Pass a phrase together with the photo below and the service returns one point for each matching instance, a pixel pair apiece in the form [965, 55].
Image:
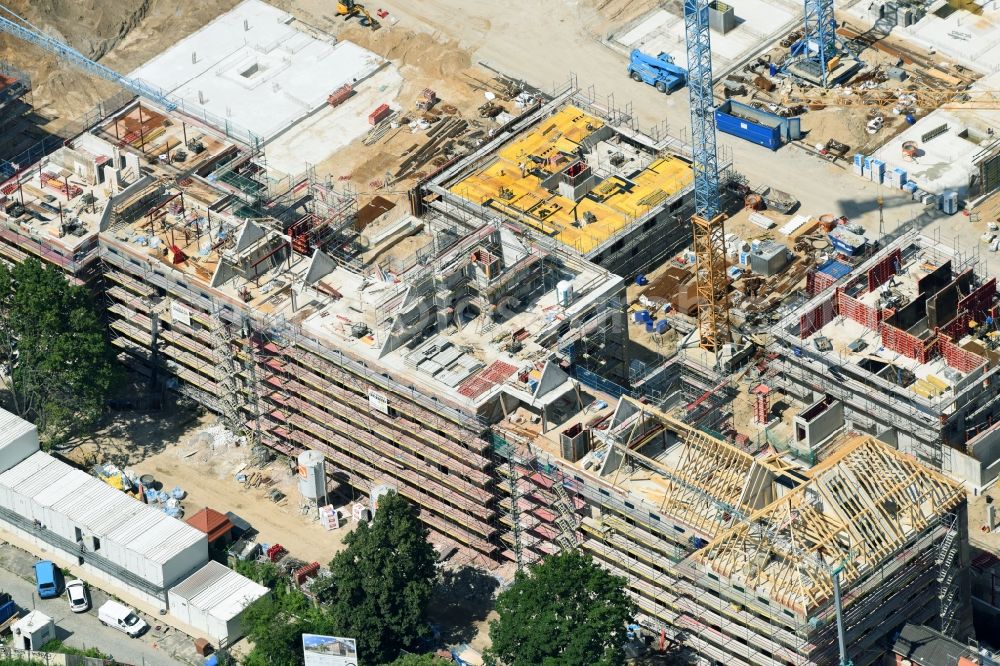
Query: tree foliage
[383, 581]
[566, 611]
[57, 362]
[377, 593]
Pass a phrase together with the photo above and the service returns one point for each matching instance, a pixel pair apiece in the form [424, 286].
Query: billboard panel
[329, 650]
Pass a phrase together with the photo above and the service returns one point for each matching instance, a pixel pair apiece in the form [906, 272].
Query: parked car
[122, 618]
[79, 598]
[46, 579]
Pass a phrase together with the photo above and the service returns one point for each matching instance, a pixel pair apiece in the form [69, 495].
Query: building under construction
[472, 352]
[734, 557]
[582, 175]
[903, 347]
[388, 343]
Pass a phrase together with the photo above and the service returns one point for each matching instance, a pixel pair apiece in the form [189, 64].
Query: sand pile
[433, 56]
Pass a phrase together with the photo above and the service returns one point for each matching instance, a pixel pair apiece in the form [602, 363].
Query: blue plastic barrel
[910, 118]
[773, 69]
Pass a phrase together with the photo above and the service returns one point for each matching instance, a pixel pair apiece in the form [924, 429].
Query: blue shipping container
[769, 137]
[7, 610]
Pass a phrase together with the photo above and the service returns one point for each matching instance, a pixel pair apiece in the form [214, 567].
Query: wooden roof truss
[858, 508]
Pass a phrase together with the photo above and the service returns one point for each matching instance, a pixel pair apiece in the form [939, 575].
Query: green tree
[276, 623]
[419, 660]
[58, 365]
[276, 633]
[382, 582]
[565, 611]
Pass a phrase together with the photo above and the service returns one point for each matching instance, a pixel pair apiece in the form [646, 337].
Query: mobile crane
[660, 71]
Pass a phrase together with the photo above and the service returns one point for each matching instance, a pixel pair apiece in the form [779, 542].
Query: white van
[122, 618]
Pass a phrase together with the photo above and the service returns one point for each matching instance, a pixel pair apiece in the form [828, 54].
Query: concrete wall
[982, 465]
[822, 425]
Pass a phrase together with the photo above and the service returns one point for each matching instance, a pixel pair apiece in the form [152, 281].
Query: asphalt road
[84, 629]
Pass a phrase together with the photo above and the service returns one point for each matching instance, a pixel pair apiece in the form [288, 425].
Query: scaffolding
[741, 575]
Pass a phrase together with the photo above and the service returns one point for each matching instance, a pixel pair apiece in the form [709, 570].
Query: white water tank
[312, 475]
[564, 293]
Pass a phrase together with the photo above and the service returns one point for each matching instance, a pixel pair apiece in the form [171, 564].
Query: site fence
[8, 654]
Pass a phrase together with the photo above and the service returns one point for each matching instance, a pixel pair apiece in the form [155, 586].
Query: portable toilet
[33, 631]
[949, 202]
[859, 164]
[899, 177]
[877, 173]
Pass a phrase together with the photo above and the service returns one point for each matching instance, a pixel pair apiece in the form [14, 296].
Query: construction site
[550, 326]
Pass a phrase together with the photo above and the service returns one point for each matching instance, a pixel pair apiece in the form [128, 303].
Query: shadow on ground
[463, 598]
[133, 432]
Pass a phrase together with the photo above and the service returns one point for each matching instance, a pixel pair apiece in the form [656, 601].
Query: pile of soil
[619, 12]
[433, 56]
[121, 35]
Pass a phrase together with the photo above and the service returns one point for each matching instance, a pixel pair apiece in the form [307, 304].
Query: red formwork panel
[817, 318]
[979, 301]
[852, 308]
[958, 358]
[957, 327]
[880, 273]
[901, 342]
[974, 307]
[931, 349]
[817, 281]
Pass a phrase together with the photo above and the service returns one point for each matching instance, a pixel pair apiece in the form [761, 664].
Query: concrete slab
[316, 138]
[972, 40]
[758, 22]
[254, 68]
[945, 161]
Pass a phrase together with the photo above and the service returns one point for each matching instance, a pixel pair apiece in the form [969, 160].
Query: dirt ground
[167, 445]
[121, 34]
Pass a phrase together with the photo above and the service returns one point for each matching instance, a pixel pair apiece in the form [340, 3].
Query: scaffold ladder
[229, 393]
[565, 517]
[947, 560]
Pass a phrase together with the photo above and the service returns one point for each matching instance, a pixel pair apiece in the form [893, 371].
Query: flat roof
[946, 161]
[220, 591]
[518, 180]
[757, 23]
[100, 509]
[12, 427]
[254, 68]
[957, 32]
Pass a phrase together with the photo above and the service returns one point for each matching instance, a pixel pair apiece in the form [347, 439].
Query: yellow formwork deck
[512, 183]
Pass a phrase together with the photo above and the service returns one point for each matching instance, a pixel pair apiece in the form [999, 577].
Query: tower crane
[19, 27]
[708, 220]
[819, 33]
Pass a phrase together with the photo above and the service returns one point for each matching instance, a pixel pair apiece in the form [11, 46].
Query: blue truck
[660, 72]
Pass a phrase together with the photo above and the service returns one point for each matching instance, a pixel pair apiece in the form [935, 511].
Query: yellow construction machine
[350, 8]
